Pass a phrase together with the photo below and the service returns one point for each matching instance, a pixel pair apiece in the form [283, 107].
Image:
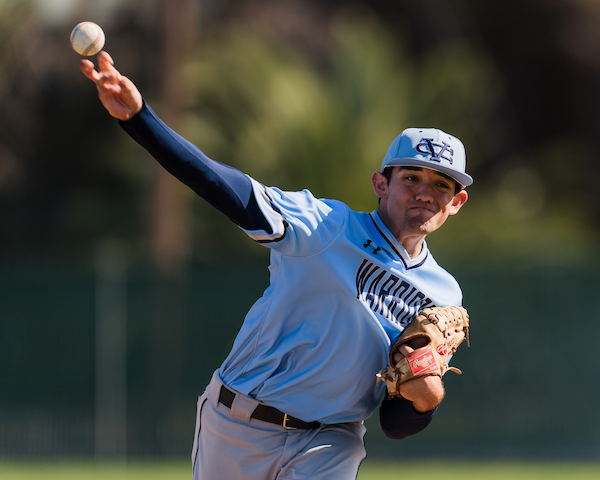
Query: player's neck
[411, 240]
[413, 245]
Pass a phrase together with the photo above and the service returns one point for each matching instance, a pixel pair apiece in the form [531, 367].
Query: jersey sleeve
[224, 187]
[309, 224]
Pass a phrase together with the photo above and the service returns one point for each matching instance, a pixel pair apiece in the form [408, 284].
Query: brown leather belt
[268, 414]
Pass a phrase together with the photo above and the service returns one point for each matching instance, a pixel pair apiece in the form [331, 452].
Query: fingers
[106, 69]
[406, 348]
[117, 93]
[403, 351]
[106, 63]
[89, 71]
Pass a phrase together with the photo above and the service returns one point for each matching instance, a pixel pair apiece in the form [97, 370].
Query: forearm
[399, 419]
[224, 187]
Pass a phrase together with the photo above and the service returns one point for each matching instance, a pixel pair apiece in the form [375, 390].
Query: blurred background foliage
[298, 94]
[305, 95]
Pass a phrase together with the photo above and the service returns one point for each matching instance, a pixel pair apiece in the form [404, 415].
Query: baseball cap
[429, 148]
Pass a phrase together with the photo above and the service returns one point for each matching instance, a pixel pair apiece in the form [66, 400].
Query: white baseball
[87, 39]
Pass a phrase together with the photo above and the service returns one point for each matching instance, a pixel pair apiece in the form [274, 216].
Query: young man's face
[416, 201]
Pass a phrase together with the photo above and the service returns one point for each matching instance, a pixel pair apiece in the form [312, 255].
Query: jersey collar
[397, 247]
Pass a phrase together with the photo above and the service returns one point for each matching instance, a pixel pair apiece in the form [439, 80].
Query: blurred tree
[309, 94]
[16, 26]
[170, 237]
[325, 123]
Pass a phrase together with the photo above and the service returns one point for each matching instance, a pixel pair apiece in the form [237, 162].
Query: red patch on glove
[421, 361]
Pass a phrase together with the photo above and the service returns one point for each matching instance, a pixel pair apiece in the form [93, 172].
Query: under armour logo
[437, 151]
[369, 244]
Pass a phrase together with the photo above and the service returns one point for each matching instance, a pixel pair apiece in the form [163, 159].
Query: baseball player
[290, 399]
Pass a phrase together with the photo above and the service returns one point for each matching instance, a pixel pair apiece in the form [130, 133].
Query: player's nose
[424, 192]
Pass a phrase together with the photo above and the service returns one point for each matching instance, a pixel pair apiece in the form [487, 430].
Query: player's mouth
[423, 210]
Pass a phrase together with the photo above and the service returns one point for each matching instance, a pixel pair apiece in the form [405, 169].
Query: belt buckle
[286, 417]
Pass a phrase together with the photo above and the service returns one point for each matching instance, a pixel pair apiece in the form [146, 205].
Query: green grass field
[370, 470]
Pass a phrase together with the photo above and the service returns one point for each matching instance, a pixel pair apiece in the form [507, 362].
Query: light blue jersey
[342, 288]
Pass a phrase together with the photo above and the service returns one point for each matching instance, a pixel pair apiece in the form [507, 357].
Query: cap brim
[462, 178]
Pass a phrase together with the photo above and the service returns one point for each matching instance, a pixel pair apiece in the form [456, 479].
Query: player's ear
[458, 201]
[380, 184]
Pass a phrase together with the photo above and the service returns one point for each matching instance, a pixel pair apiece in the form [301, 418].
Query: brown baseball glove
[435, 334]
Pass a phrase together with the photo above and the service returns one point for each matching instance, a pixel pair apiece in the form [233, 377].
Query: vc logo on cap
[437, 151]
[429, 148]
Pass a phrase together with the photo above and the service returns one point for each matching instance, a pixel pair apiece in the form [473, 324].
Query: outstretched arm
[224, 187]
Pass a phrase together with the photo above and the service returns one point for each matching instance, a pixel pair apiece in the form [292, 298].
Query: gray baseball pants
[229, 445]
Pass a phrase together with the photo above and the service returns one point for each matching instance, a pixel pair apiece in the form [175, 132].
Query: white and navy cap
[429, 148]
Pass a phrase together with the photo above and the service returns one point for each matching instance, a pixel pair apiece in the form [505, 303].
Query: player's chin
[421, 223]
[427, 223]
[425, 228]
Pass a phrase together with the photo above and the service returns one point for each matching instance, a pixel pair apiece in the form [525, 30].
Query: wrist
[425, 393]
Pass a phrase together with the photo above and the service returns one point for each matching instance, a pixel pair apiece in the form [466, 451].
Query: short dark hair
[387, 173]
